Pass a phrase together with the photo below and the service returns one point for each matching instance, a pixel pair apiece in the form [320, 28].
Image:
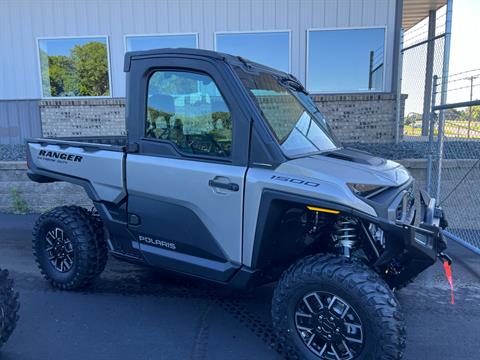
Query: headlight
[366, 190]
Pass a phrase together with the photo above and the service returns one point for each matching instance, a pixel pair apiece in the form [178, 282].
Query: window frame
[39, 66]
[252, 32]
[182, 153]
[307, 56]
[125, 36]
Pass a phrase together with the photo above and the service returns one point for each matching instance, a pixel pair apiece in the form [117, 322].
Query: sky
[465, 46]
[339, 61]
[135, 43]
[64, 46]
[274, 47]
[464, 56]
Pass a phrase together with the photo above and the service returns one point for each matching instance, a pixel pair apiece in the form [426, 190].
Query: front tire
[9, 306]
[328, 307]
[69, 247]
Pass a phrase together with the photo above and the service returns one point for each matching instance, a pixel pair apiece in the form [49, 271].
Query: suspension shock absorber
[346, 234]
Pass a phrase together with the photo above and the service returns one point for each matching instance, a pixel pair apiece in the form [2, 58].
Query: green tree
[412, 118]
[61, 71]
[455, 115]
[91, 65]
[44, 73]
[475, 112]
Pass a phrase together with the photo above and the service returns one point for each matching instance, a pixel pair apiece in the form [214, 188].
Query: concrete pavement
[137, 313]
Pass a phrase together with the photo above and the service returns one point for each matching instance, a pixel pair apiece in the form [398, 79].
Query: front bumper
[410, 249]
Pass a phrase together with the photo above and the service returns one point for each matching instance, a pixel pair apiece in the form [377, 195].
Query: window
[293, 117]
[187, 109]
[267, 48]
[74, 67]
[149, 42]
[350, 60]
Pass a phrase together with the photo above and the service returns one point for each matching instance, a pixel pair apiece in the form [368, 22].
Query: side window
[187, 109]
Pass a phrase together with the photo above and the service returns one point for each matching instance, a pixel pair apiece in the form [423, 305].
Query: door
[185, 186]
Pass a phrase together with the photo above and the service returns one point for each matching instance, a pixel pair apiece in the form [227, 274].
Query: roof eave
[415, 11]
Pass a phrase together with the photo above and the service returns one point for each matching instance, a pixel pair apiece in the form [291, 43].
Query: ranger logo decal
[58, 156]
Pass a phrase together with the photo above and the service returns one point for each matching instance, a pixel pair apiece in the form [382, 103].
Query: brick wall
[89, 117]
[364, 118]
[15, 185]
[361, 118]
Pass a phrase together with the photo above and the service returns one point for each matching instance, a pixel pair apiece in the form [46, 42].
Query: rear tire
[69, 247]
[9, 306]
[326, 302]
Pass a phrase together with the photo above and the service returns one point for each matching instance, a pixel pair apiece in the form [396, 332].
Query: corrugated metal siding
[22, 21]
[19, 119]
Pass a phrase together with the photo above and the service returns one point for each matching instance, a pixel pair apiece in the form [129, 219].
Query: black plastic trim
[174, 224]
[400, 237]
[188, 264]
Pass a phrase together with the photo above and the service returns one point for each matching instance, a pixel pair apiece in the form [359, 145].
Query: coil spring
[346, 233]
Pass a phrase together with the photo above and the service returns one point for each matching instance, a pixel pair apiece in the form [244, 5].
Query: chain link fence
[446, 136]
[455, 171]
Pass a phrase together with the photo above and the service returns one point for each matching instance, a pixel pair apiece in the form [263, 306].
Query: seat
[160, 107]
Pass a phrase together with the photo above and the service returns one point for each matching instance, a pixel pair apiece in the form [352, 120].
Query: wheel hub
[329, 326]
[59, 250]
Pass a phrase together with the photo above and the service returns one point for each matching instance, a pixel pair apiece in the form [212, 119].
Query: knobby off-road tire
[345, 288]
[78, 238]
[9, 306]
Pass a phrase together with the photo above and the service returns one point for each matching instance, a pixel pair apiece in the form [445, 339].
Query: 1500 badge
[295, 181]
[155, 242]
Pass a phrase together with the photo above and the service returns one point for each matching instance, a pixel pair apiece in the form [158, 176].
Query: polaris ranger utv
[230, 173]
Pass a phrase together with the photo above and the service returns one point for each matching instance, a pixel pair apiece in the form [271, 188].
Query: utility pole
[470, 108]
[443, 94]
[432, 17]
[370, 72]
[398, 100]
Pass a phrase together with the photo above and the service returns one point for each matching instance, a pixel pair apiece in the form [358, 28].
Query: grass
[453, 129]
[19, 204]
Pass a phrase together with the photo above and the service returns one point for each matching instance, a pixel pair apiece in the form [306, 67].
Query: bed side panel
[102, 169]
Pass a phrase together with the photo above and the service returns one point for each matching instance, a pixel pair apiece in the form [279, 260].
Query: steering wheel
[213, 146]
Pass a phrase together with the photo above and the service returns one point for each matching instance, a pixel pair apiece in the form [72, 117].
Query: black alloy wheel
[329, 326]
[59, 250]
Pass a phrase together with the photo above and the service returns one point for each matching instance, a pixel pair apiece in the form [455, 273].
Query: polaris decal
[58, 156]
[155, 242]
[295, 181]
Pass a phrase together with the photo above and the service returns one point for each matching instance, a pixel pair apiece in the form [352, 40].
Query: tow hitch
[445, 258]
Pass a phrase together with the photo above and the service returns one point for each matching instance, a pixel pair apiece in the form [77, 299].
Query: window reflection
[74, 67]
[267, 48]
[149, 42]
[347, 60]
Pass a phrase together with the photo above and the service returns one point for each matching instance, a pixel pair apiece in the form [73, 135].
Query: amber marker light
[319, 209]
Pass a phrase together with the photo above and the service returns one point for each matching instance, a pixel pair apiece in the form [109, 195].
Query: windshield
[293, 117]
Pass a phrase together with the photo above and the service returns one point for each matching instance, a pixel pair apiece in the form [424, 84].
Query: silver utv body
[185, 184]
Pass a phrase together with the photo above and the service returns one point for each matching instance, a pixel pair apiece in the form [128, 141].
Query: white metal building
[332, 46]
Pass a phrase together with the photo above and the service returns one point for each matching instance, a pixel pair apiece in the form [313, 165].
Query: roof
[171, 51]
[197, 53]
[415, 11]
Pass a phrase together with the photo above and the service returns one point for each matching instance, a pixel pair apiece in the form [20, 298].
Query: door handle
[225, 186]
